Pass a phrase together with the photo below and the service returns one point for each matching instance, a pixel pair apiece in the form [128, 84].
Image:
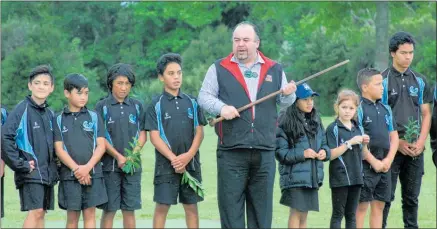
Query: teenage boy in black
[80, 144]
[175, 122]
[27, 148]
[409, 96]
[378, 122]
[123, 117]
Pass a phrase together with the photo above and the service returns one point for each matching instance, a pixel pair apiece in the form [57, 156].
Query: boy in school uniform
[176, 125]
[4, 115]
[80, 144]
[377, 121]
[123, 117]
[27, 148]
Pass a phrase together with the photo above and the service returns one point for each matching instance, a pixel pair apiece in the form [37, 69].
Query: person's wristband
[348, 144]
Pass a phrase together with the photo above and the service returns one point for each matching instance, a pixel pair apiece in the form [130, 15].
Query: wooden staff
[212, 122]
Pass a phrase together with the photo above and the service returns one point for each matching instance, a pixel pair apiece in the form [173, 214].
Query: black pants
[245, 180]
[410, 171]
[344, 203]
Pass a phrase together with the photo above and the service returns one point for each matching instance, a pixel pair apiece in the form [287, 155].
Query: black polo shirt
[123, 122]
[377, 121]
[345, 170]
[176, 120]
[404, 93]
[78, 138]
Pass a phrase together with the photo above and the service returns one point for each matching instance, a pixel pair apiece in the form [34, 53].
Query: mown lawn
[208, 208]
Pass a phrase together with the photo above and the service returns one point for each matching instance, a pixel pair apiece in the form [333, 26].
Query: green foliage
[193, 183]
[89, 37]
[133, 157]
[412, 130]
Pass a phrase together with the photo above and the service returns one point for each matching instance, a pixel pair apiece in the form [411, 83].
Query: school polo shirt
[404, 93]
[77, 133]
[347, 168]
[123, 121]
[176, 120]
[377, 122]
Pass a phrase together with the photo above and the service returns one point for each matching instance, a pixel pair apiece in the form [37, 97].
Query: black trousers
[344, 203]
[410, 171]
[245, 182]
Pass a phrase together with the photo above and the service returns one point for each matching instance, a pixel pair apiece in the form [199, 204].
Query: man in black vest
[246, 141]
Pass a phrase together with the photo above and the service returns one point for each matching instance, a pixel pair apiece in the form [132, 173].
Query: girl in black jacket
[345, 138]
[300, 149]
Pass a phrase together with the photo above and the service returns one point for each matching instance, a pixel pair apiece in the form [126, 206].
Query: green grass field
[208, 209]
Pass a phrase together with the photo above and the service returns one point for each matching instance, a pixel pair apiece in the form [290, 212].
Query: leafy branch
[412, 130]
[133, 157]
[193, 183]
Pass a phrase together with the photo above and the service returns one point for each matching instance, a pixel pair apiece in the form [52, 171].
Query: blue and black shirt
[405, 93]
[123, 121]
[79, 132]
[377, 121]
[176, 119]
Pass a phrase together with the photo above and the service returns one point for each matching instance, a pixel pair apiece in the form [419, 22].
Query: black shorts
[168, 187]
[36, 196]
[377, 186]
[72, 196]
[124, 191]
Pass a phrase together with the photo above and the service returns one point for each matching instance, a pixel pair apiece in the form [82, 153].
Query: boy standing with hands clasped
[175, 122]
[377, 121]
[79, 144]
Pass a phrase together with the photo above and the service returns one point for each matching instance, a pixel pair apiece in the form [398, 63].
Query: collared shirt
[123, 123]
[176, 119]
[77, 135]
[404, 95]
[347, 168]
[210, 89]
[377, 122]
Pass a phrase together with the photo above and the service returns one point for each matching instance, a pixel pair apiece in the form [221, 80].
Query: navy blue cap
[304, 91]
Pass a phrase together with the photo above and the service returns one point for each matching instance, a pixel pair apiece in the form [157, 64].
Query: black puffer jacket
[294, 168]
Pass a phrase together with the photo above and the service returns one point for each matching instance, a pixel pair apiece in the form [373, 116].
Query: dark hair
[166, 59]
[293, 123]
[365, 75]
[41, 69]
[75, 80]
[255, 28]
[117, 70]
[398, 39]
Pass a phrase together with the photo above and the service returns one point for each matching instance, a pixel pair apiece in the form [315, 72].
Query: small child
[27, 148]
[377, 121]
[175, 122]
[79, 143]
[301, 148]
[346, 140]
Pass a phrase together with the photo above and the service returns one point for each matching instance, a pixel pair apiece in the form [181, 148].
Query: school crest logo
[393, 92]
[132, 119]
[341, 140]
[110, 120]
[413, 91]
[64, 129]
[88, 126]
[190, 113]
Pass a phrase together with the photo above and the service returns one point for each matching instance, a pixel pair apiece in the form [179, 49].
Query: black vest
[246, 131]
